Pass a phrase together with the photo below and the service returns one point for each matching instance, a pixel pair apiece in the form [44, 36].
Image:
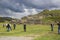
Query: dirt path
[15, 38]
[29, 37]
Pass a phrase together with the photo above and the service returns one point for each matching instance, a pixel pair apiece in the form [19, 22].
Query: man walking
[24, 27]
[52, 26]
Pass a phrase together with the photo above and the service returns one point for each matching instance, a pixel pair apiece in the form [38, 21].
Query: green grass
[50, 36]
[33, 30]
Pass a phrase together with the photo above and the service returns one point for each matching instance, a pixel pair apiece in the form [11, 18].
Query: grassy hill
[9, 20]
[3, 19]
[46, 16]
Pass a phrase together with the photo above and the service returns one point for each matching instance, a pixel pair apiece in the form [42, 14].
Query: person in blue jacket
[8, 27]
[58, 28]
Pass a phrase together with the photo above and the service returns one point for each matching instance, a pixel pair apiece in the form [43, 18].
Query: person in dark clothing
[24, 27]
[52, 26]
[3, 25]
[8, 27]
[58, 28]
[14, 26]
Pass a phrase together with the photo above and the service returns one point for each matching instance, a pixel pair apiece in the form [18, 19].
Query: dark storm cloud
[7, 7]
[17, 5]
[40, 4]
[11, 7]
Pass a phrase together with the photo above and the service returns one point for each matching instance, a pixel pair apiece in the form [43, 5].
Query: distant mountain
[3, 19]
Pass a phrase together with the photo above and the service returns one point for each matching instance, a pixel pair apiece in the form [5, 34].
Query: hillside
[46, 16]
[9, 19]
[3, 19]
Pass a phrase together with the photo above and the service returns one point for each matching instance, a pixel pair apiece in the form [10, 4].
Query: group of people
[8, 27]
[52, 27]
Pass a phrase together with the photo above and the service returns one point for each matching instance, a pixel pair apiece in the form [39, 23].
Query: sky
[21, 8]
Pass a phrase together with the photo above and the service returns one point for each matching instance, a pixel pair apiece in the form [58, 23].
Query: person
[14, 26]
[8, 27]
[24, 27]
[58, 27]
[3, 25]
[52, 26]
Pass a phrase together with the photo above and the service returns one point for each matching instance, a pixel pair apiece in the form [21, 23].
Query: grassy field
[50, 36]
[42, 30]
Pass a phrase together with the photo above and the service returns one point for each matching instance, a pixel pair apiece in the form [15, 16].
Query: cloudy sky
[20, 8]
